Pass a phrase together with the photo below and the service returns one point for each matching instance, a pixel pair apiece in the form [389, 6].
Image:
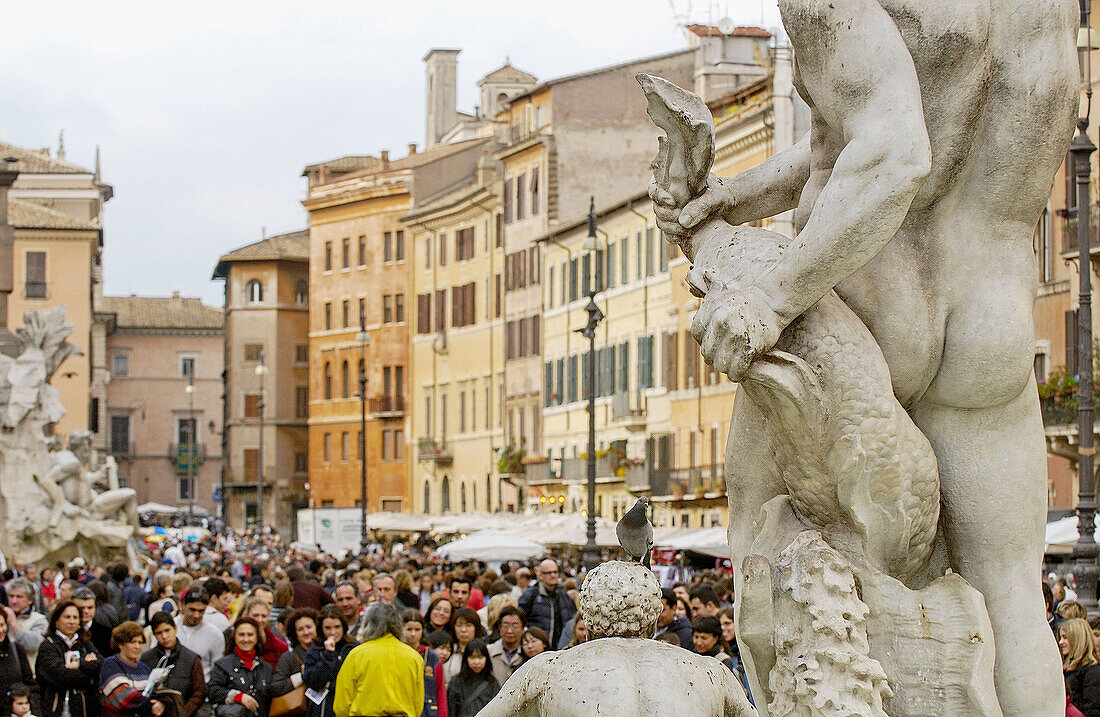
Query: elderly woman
[240, 682]
[68, 665]
[123, 677]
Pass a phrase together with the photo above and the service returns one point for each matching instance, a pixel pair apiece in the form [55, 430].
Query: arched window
[445, 500]
[345, 380]
[462, 496]
[427, 498]
[328, 381]
[254, 291]
[301, 292]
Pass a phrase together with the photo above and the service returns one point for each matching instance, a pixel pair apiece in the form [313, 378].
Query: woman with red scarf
[240, 682]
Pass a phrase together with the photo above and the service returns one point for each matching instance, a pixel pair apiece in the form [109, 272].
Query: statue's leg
[750, 483]
[992, 466]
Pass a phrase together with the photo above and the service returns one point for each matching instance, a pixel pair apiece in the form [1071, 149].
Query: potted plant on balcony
[511, 459]
[427, 445]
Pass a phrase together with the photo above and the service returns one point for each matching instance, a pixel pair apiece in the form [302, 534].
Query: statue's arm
[769, 188]
[860, 77]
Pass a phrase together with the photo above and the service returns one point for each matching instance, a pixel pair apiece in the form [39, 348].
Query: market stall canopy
[1062, 534]
[707, 541]
[491, 545]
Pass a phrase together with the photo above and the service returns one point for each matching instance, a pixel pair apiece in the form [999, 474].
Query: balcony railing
[392, 406]
[121, 449]
[186, 456]
[1059, 410]
[537, 473]
[637, 478]
[631, 413]
[431, 450]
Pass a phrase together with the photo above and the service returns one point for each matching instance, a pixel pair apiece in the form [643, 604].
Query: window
[571, 393]
[520, 198]
[624, 366]
[252, 405]
[399, 246]
[497, 299]
[362, 311]
[301, 402]
[499, 231]
[345, 447]
[445, 495]
[301, 353]
[427, 415]
[387, 309]
[624, 261]
[645, 362]
[610, 271]
[326, 453]
[301, 462]
[254, 292]
[345, 253]
[120, 365]
[691, 361]
[345, 380]
[387, 246]
[1044, 249]
[328, 381]
[664, 251]
[328, 316]
[464, 244]
[534, 191]
[427, 498]
[671, 365]
[462, 410]
[443, 248]
[508, 201]
[328, 256]
[36, 275]
[441, 310]
[301, 293]
[120, 435]
[423, 313]
[362, 250]
[387, 445]
[573, 279]
[345, 310]
[649, 248]
[399, 308]
[253, 352]
[462, 305]
[638, 256]
[1042, 367]
[250, 457]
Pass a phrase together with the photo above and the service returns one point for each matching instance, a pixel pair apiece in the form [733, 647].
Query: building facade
[266, 318]
[163, 403]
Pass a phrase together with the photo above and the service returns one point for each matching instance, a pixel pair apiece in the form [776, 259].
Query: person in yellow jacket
[382, 676]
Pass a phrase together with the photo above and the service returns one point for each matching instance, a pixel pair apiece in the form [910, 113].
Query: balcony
[1059, 411]
[540, 473]
[179, 454]
[121, 450]
[431, 450]
[631, 414]
[576, 469]
[696, 481]
[637, 479]
[387, 406]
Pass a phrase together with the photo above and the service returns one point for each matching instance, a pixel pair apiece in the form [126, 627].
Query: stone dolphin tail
[845, 448]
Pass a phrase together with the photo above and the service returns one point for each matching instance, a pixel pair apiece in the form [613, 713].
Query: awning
[491, 545]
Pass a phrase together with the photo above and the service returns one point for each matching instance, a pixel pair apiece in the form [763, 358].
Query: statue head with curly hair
[621, 599]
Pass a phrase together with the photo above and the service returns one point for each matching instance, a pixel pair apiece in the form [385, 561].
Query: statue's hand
[678, 221]
[734, 325]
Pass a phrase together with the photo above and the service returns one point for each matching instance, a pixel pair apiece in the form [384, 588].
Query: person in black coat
[15, 668]
[301, 632]
[240, 682]
[474, 686]
[68, 666]
[324, 658]
[546, 603]
[185, 675]
[1080, 665]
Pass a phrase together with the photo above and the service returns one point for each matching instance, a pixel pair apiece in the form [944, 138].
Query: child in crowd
[20, 701]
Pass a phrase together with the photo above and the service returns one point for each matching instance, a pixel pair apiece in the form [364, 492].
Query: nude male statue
[621, 670]
[71, 489]
[936, 129]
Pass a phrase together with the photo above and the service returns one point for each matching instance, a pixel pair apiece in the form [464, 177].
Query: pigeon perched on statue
[635, 533]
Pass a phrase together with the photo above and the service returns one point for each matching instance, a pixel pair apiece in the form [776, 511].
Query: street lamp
[190, 388]
[595, 316]
[364, 340]
[261, 370]
[1085, 552]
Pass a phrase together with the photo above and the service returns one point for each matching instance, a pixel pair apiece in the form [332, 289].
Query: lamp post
[190, 388]
[364, 340]
[261, 369]
[1085, 551]
[595, 316]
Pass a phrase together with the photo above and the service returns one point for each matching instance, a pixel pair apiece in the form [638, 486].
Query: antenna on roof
[61, 145]
[97, 162]
[263, 232]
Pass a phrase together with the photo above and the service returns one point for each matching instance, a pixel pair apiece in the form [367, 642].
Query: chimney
[385, 158]
[412, 148]
[441, 104]
[8, 174]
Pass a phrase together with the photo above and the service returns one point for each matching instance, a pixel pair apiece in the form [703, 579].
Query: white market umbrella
[491, 546]
[1062, 534]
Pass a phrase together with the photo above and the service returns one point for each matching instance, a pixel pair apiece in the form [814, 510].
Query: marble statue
[621, 670]
[52, 506]
[885, 464]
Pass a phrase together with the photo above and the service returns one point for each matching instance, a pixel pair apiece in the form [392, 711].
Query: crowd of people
[249, 627]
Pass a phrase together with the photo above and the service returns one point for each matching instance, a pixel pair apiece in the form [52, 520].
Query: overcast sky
[206, 112]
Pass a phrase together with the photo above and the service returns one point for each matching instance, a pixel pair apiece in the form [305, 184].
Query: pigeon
[635, 532]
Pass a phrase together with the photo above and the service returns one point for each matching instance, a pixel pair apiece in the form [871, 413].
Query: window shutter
[441, 310]
[671, 364]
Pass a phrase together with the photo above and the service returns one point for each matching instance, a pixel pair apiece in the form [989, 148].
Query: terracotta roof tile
[743, 31]
[291, 246]
[23, 214]
[162, 312]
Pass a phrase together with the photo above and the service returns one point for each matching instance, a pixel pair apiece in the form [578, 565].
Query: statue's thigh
[992, 468]
[751, 479]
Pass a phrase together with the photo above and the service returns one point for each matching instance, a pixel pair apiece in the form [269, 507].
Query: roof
[599, 70]
[742, 31]
[350, 163]
[292, 246]
[162, 312]
[39, 161]
[23, 214]
[508, 74]
[420, 158]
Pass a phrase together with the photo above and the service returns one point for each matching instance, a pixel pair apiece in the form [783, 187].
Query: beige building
[266, 318]
[56, 210]
[163, 407]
